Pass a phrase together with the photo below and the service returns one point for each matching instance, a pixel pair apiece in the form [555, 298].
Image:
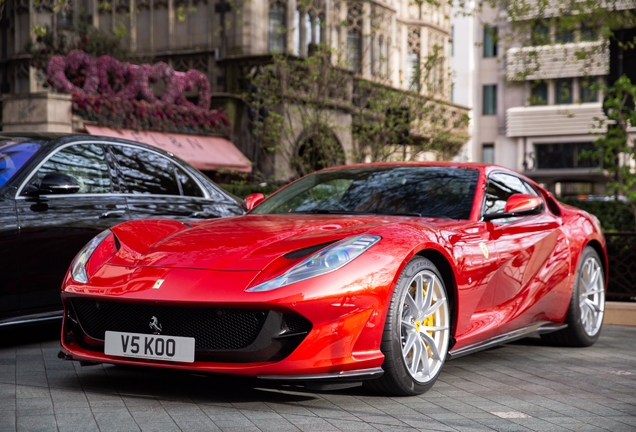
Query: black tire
[577, 333]
[398, 378]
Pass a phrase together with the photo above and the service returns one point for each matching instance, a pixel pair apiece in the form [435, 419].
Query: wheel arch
[596, 245]
[448, 276]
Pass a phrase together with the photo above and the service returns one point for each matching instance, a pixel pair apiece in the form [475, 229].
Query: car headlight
[78, 268]
[325, 261]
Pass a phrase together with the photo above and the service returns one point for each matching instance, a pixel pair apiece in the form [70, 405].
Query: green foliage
[615, 216]
[83, 36]
[613, 149]
[243, 190]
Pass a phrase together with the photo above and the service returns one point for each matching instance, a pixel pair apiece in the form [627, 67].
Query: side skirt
[540, 327]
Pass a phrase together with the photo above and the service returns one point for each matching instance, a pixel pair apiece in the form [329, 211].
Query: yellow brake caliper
[429, 321]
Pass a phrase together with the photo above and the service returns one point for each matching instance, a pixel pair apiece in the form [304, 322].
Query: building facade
[381, 40]
[534, 108]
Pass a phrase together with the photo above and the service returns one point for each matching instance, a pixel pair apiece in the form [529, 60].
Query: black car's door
[155, 186]
[54, 227]
[9, 287]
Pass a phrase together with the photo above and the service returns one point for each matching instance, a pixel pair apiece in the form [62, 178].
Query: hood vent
[301, 253]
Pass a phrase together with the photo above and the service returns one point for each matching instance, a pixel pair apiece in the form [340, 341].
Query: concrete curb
[620, 313]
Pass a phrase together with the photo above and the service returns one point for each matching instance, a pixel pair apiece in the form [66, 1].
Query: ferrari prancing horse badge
[484, 249]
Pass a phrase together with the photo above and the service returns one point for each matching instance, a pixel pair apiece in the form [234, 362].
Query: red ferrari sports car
[376, 273]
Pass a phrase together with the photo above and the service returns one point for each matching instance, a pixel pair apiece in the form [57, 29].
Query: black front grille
[212, 328]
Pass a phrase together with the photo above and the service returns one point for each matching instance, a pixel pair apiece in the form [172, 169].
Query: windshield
[427, 191]
[13, 156]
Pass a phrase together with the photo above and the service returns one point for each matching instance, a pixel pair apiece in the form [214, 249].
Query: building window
[372, 55]
[588, 91]
[297, 32]
[564, 91]
[277, 27]
[388, 57]
[564, 155]
[452, 41]
[413, 70]
[490, 99]
[588, 33]
[540, 32]
[490, 41]
[354, 50]
[564, 32]
[539, 92]
[379, 59]
[488, 153]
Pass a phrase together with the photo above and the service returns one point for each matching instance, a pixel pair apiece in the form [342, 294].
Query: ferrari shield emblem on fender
[157, 284]
[484, 249]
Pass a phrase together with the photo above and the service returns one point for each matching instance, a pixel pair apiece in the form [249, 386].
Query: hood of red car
[241, 243]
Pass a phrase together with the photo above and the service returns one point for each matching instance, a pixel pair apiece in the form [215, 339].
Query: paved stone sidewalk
[523, 386]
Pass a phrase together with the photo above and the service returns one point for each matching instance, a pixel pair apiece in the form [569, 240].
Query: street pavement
[523, 386]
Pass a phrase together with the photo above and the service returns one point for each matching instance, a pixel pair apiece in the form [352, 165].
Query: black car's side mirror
[54, 183]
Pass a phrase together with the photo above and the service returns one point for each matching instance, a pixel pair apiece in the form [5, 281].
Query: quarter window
[84, 162]
[501, 187]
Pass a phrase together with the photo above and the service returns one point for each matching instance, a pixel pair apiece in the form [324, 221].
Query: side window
[188, 185]
[501, 187]
[146, 172]
[84, 162]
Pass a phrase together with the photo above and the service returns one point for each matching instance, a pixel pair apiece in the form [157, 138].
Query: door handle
[112, 214]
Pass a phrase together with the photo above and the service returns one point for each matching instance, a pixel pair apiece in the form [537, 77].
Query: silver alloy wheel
[591, 296]
[424, 326]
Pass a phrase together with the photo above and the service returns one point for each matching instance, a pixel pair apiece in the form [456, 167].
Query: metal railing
[621, 253]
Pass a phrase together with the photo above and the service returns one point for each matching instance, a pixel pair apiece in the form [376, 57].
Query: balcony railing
[558, 61]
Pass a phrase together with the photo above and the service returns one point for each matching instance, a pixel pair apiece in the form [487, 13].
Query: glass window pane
[490, 99]
[588, 90]
[354, 50]
[277, 27]
[564, 91]
[488, 153]
[188, 185]
[500, 188]
[413, 70]
[490, 41]
[13, 155]
[85, 163]
[588, 34]
[540, 33]
[297, 32]
[146, 172]
[539, 93]
[433, 191]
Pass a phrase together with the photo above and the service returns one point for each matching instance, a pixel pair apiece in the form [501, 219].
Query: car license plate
[156, 347]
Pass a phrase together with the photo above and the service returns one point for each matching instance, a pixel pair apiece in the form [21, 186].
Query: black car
[58, 191]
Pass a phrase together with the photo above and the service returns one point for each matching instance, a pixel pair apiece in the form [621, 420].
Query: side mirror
[518, 205]
[522, 202]
[56, 183]
[253, 200]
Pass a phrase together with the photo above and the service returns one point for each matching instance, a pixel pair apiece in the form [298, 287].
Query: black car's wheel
[416, 333]
[587, 305]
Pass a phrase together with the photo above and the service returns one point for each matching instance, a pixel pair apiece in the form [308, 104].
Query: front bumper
[308, 329]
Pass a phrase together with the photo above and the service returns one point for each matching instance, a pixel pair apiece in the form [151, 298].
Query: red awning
[202, 152]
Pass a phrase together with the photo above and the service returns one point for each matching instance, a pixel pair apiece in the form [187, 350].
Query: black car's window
[188, 185]
[501, 187]
[146, 172]
[402, 190]
[13, 155]
[84, 162]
